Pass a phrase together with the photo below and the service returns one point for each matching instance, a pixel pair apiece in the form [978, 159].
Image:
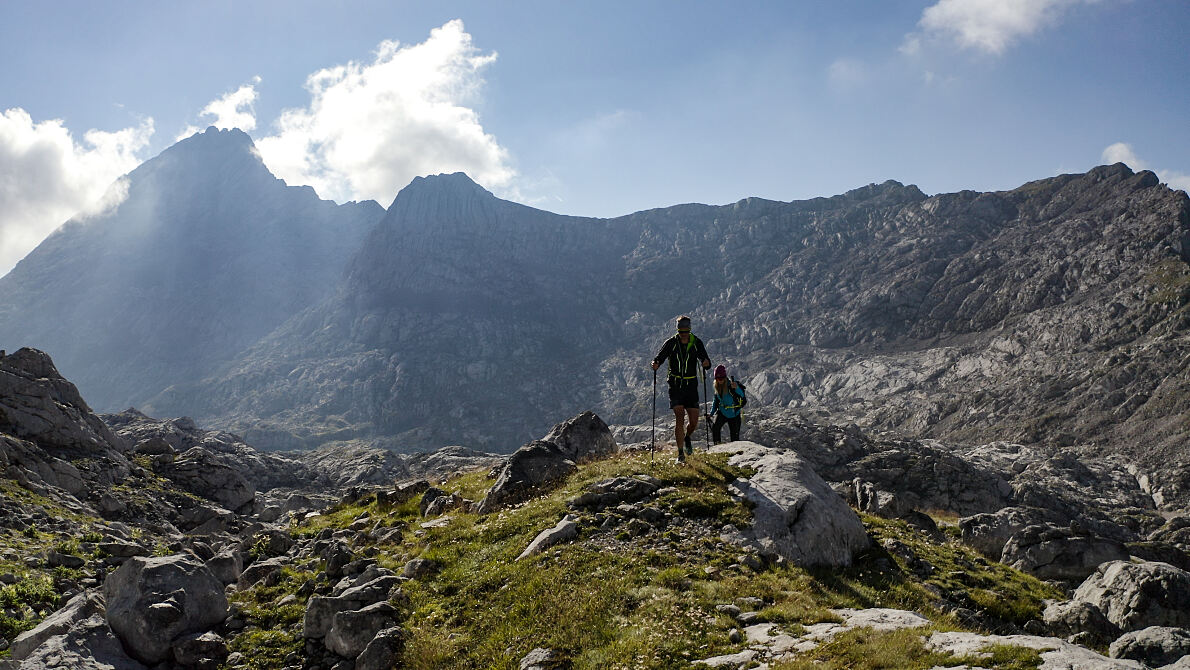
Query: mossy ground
[617, 600]
[37, 590]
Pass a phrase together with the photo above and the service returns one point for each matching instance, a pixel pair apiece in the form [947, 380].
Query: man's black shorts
[684, 395]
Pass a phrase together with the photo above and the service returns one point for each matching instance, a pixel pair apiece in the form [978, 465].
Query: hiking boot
[689, 445]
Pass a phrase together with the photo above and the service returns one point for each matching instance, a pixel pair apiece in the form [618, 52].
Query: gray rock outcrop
[540, 464]
[797, 516]
[526, 473]
[583, 438]
[1138, 595]
[151, 602]
[1155, 646]
[1060, 553]
[1075, 617]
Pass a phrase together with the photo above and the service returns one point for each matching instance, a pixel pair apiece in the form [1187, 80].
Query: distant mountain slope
[208, 253]
[468, 319]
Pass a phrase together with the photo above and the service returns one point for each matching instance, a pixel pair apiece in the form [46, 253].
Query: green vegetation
[273, 621]
[1171, 281]
[33, 597]
[879, 579]
[865, 649]
[615, 599]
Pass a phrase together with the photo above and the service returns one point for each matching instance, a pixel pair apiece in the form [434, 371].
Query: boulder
[529, 471]
[1075, 617]
[205, 651]
[203, 473]
[153, 601]
[351, 631]
[614, 491]
[797, 516]
[988, 532]
[1155, 645]
[227, 565]
[1138, 595]
[583, 438]
[383, 652]
[88, 644]
[82, 606]
[540, 659]
[260, 571]
[1059, 553]
[38, 404]
[564, 531]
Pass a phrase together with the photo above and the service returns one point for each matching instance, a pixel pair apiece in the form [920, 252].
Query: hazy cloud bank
[46, 177]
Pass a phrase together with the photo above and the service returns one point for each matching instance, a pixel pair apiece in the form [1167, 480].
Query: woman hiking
[729, 399]
[684, 352]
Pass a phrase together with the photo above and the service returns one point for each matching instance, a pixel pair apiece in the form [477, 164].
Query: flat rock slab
[1056, 654]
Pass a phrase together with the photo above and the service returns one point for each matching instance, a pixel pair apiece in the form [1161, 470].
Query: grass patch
[880, 579]
[866, 649]
[266, 649]
[32, 598]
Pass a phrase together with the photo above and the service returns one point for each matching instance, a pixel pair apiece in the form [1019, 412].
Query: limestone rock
[564, 531]
[989, 532]
[383, 652]
[202, 473]
[528, 472]
[153, 601]
[1060, 553]
[797, 516]
[352, 630]
[1076, 617]
[583, 438]
[1155, 645]
[1139, 595]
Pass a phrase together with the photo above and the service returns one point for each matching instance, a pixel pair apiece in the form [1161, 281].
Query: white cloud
[1121, 152]
[990, 26]
[46, 177]
[847, 73]
[371, 128]
[235, 109]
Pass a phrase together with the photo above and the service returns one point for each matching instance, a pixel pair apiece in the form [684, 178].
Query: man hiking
[684, 352]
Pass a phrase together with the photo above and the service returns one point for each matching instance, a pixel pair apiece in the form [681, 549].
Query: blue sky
[591, 108]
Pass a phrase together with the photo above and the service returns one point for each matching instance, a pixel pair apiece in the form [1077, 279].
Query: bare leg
[692, 413]
[679, 426]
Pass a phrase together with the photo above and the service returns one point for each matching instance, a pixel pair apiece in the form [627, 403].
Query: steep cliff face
[1056, 312]
[208, 253]
[1020, 315]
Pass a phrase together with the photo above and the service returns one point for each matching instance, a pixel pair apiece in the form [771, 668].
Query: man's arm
[702, 354]
[663, 354]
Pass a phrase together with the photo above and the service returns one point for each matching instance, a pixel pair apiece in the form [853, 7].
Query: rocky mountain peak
[891, 192]
[221, 157]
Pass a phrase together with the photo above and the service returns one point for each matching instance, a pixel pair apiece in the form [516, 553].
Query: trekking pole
[653, 441]
[705, 408]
